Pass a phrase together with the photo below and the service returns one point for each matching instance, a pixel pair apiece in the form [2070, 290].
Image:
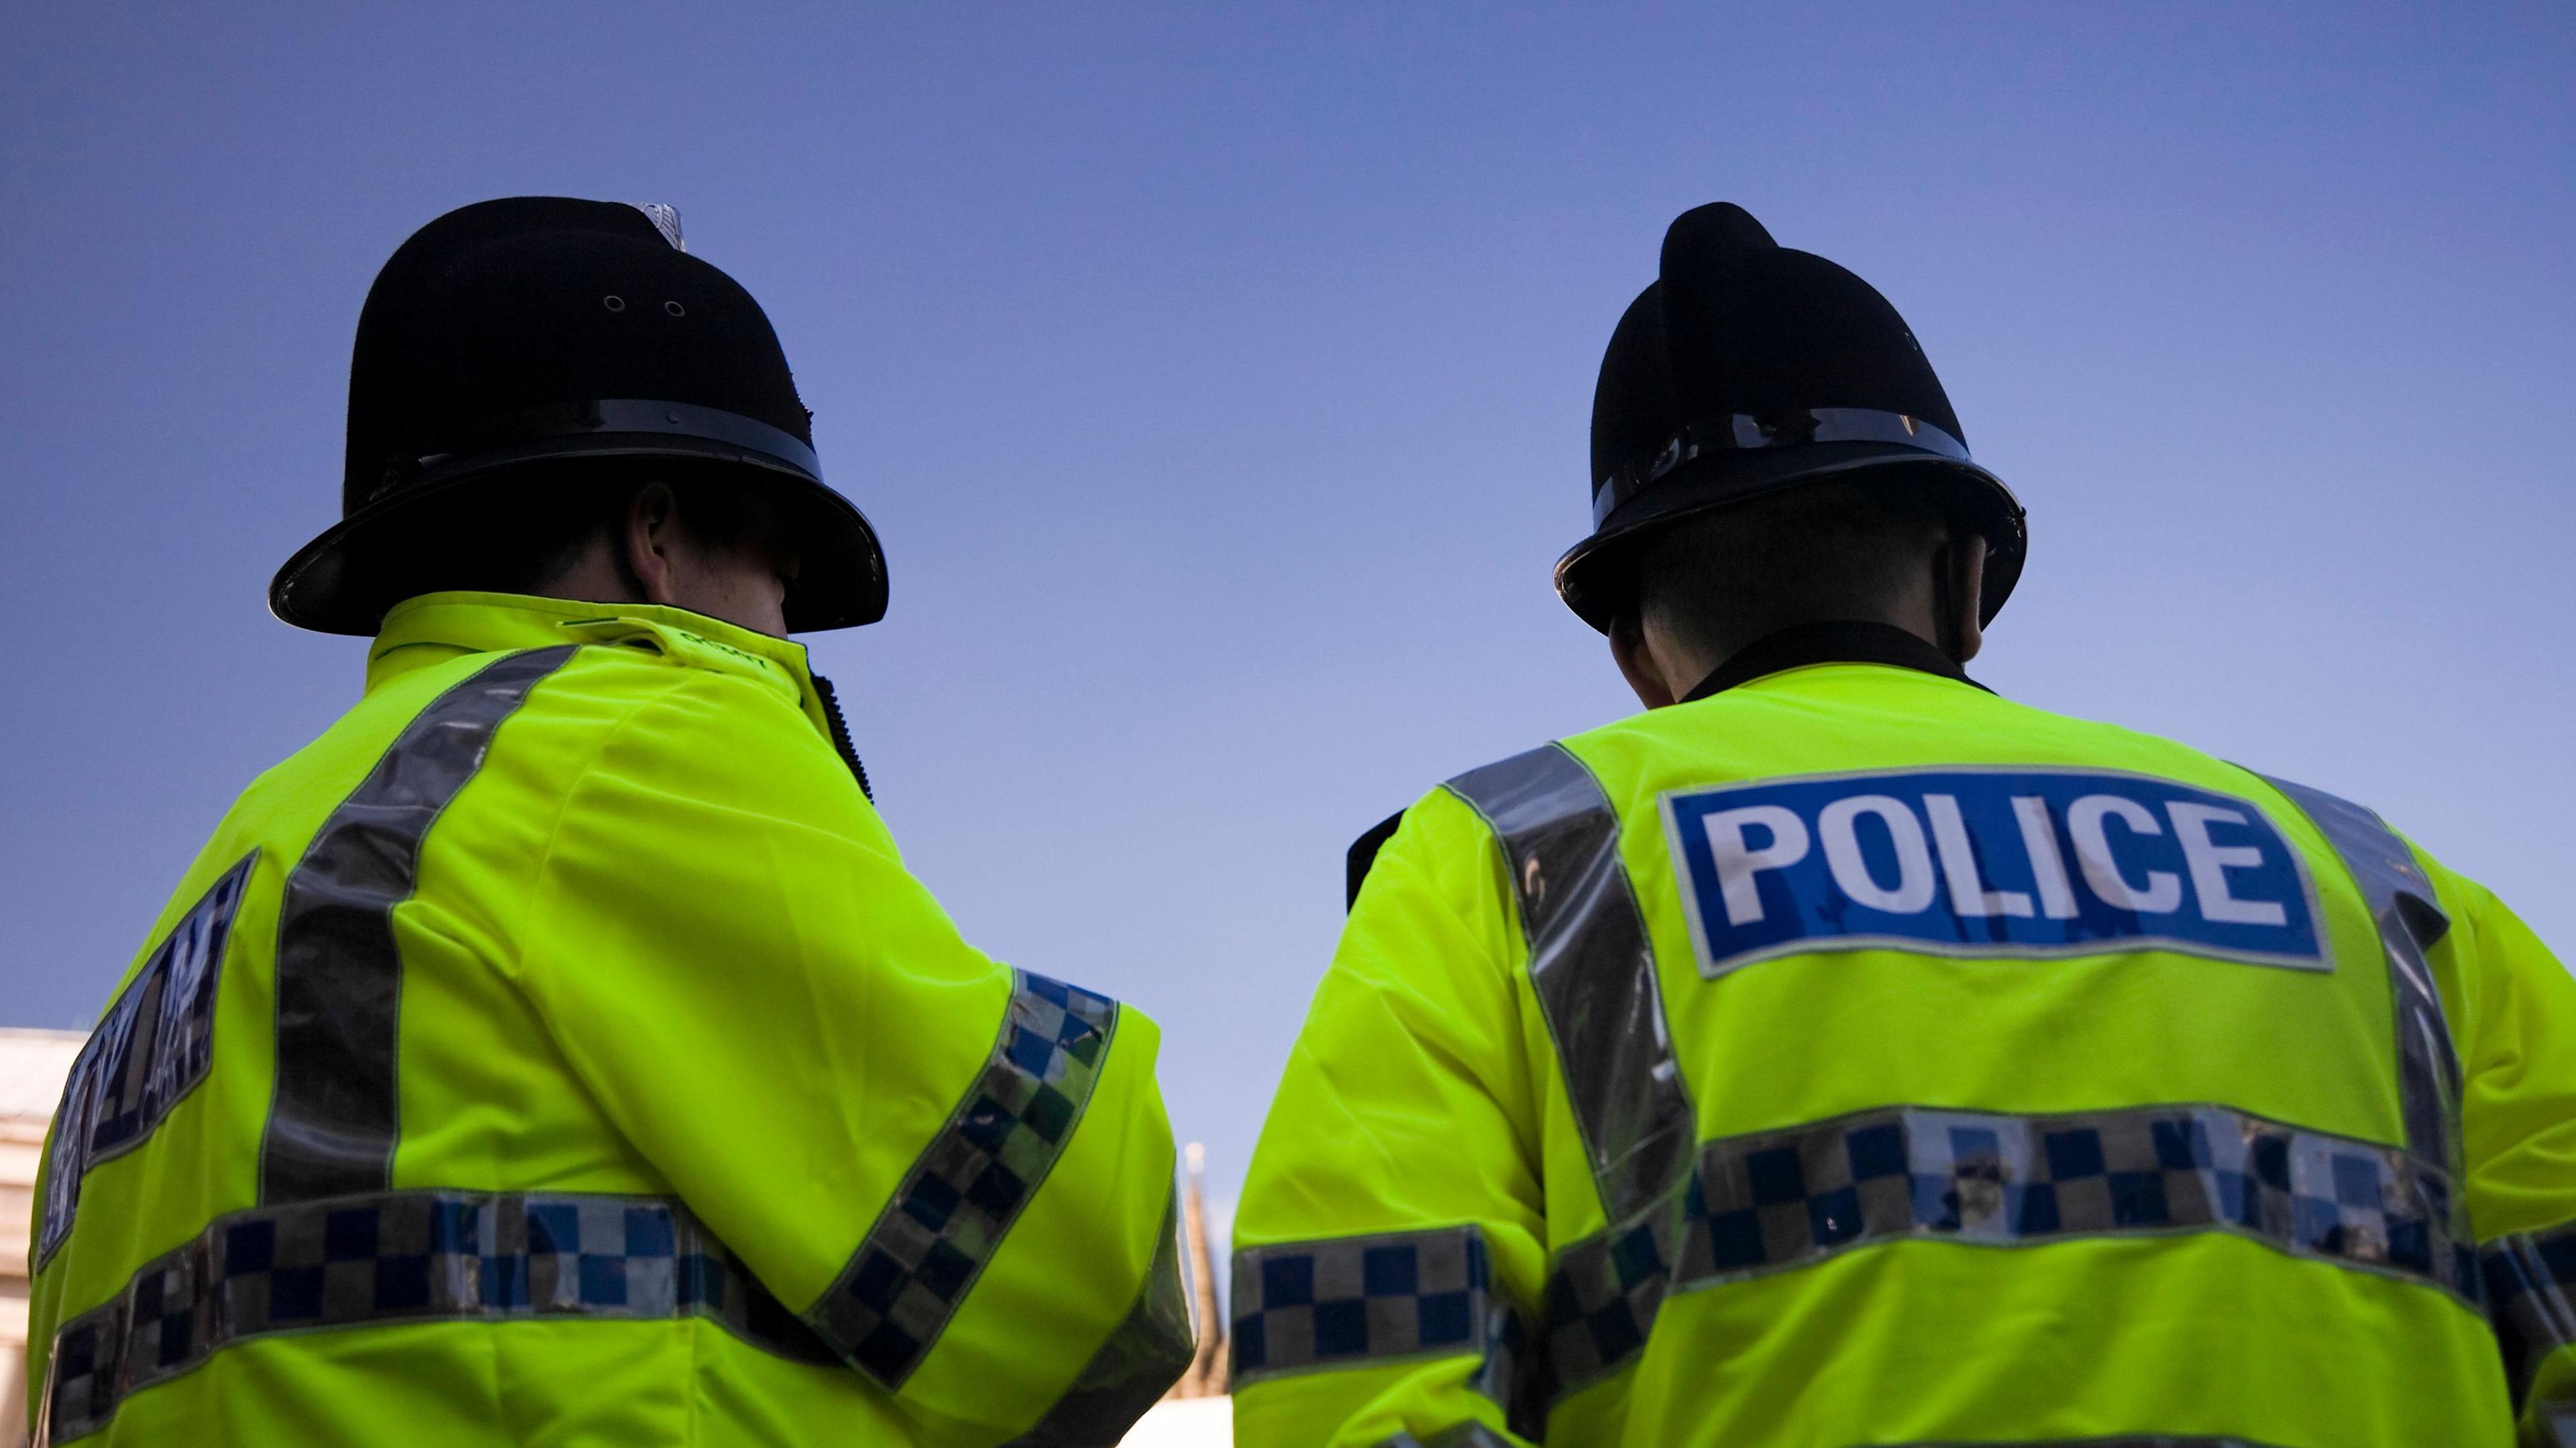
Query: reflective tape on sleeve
[1776, 1201]
[1345, 1302]
[1593, 968]
[336, 1112]
[946, 1219]
[1463, 1435]
[1146, 1353]
[2409, 921]
[2531, 1296]
[389, 1258]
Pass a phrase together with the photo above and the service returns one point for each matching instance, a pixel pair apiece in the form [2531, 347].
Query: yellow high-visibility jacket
[557, 1051]
[1851, 1056]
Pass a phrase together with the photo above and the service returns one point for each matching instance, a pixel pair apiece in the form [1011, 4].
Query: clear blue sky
[1219, 383]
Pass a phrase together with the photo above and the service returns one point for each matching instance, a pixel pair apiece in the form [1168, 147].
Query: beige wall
[20, 1141]
[32, 1067]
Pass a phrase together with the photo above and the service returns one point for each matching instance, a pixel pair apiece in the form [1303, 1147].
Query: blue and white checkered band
[1360, 1301]
[1744, 432]
[398, 1257]
[1780, 1200]
[1986, 862]
[151, 1048]
[945, 1221]
[2531, 1295]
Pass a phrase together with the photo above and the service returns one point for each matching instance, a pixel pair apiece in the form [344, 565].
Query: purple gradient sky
[1219, 383]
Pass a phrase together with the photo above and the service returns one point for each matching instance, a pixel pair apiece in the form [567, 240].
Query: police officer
[557, 1050]
[1837, 1053]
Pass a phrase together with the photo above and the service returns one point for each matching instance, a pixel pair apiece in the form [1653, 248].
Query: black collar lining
[1839, 641]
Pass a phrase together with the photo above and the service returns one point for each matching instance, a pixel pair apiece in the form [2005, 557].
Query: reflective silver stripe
[1593, 968]
[1462, 1435]
[1361, 1301]
[2410, 921]
[944, 1222]
[1145, 1354]
[336, 1113]
[397, 1257]
[1773, 1201]
[2529, 1278]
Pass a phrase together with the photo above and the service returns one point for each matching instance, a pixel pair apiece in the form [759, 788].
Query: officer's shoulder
[1563, 770]
[659, 643]
[2077, 741]
[1449, 805]
[1363, 854]
[650, 686]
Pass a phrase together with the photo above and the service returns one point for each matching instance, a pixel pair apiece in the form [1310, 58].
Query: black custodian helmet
[538, 329]
[1746, 369]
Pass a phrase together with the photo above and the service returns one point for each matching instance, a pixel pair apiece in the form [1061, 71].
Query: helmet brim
[329, 585]
[1596, 576]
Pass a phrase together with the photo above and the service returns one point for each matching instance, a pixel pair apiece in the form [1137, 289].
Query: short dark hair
[522, 533]
[1839, 549]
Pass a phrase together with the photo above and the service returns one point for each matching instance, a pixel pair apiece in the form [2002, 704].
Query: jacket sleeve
[1391, 1235]
[2518, 1110]
[957, 1174]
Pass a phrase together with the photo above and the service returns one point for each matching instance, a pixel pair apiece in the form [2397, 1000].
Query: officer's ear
[1958, 595]
[650, 539]
[1637, 662]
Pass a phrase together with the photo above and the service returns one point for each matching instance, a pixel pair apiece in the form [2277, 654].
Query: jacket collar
[436, 627]
[1841, 641]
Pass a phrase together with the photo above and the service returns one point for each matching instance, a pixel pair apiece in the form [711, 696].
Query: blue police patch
[150, 1048]
[1987, 862]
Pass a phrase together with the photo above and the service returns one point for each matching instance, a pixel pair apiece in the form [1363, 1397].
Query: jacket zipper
[841, 733]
